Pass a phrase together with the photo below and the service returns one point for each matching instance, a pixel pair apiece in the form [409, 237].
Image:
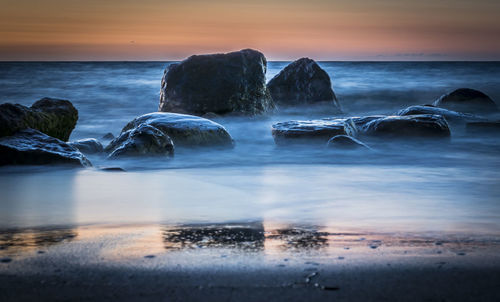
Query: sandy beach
[244, 262]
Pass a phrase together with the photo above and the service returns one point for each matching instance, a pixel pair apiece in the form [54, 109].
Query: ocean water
[416, 186]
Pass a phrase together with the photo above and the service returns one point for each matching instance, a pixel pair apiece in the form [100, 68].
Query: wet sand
[245, 262]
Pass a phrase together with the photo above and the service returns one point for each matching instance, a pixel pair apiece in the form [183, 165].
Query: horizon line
[269, 60]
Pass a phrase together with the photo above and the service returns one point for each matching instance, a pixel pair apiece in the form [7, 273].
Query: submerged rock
[302, 82]
[113, 169]
[467, 100]
[108, 136]
[345, 142]
[486, 127]
[319, 131]
[217, 83]
[451, 116]
[144, 140]
[410, 126]
[54, 117]
[31, 147]
[88, 146]
[186, 130]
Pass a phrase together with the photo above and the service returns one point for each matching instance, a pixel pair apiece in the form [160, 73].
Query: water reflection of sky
[348, 197]
[265, 240]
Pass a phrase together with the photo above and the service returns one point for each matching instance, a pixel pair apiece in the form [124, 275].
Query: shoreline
[239, 263]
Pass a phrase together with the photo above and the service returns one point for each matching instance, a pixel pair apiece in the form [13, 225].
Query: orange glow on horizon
[282, 30]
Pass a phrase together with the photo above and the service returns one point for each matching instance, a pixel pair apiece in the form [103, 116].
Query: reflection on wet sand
[277, 239]
[115, 243]
[299, 239]
[249, 237]
[25, 240]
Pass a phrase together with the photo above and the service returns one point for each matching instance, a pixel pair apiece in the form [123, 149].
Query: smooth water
[413, 186]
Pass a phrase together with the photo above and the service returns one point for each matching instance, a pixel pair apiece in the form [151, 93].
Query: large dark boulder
[467, 100]
[54, 117]
[344, 142]
[217, 83]
[144, 140]
[302, 82]
[450, 115]
[88, 146]
[410, 126]
[315, 131]
[31, 147]
[186, 130]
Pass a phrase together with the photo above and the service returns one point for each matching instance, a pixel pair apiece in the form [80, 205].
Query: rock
[142, 140]
[451, 116]
[88, 146]
[354, 125]
[467, 100]
[186, 130]
[108, 136]
[410, 126]
[210, 115]
[54, 117]
[113, 169]
[302, 82]
[31, 147]
[486, 127]
[218, 83]
[319, 131]
[345, 142]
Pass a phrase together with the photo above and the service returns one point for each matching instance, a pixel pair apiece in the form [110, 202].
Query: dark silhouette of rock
[186, 130]
[485, 128]
[108, 136]
[88, 146]
[410, 126]
[31, 147]
[54, 117]
[113, 169]
[144, 140]
[319, 131]
[302, 82]
[345, 142]
[467, 100]
[220, 83]
[451, 116]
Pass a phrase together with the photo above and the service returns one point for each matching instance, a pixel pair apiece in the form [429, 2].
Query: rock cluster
[214, 85]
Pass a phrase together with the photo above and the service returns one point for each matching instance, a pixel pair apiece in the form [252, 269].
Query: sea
[415, 187]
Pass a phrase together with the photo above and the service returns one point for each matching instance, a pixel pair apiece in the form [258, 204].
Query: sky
[281, 29]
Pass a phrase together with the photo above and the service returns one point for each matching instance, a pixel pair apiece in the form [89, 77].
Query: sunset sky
[282, 29]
